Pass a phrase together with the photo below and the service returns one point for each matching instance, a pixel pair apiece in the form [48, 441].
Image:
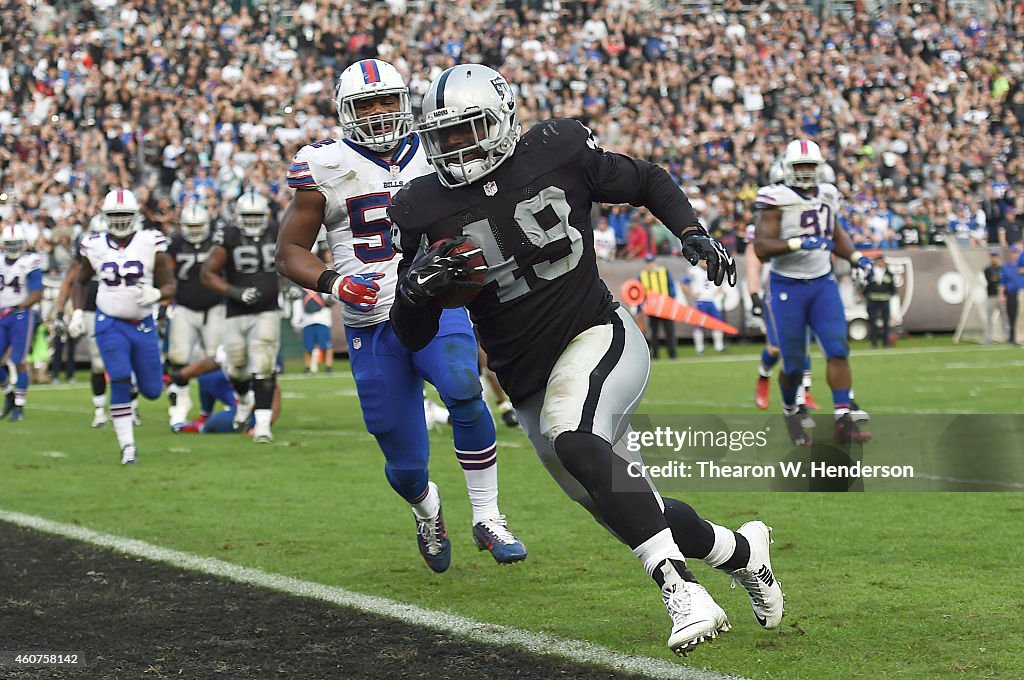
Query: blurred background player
[135, 274]
[347, 185]
[215, 387]
[655, 278]
[796, 228]
[311, 319]
[98, 374]
[707, 298]
[197, 318]
[240, 267]
[493, 394]
[21, 288]
[879, 289]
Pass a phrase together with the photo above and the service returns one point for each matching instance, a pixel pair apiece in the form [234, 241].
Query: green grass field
[878, 585]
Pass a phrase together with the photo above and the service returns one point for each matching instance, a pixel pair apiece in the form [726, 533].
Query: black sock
[99, 384]
[630, 509]
[696, 538]
[740, 557]
[263, 391]
[680, 568]
[241, 386]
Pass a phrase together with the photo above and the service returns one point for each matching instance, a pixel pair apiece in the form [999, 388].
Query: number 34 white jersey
[802, 216]
[121, 269]
[358, 186]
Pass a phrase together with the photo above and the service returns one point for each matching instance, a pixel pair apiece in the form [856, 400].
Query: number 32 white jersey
[802, 216]
[121, 269]
[358, 186]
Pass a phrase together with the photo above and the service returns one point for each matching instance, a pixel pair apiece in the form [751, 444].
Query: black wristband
[325, 284]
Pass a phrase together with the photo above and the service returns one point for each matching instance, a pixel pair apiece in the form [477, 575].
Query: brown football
[459, 296]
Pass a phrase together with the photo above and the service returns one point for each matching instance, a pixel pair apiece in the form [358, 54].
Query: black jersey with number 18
[532, 219]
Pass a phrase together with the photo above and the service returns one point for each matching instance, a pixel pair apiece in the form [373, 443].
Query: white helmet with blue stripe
[369, 79]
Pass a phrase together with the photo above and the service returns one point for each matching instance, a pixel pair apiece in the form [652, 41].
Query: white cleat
[696, 617]
[757, 578]
[261, 436]
[246, 403]
[128, 455]
[100, 418]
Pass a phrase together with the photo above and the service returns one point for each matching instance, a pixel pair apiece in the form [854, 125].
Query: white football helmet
[479, 97]
[826, 174]
[367, 79]
[121, 210]
[98, 224]
[12, 236]
[775, 173]
[195, 223]
[252, 214]
[802, 152]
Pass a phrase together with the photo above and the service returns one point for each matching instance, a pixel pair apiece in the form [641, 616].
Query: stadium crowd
[918, 108]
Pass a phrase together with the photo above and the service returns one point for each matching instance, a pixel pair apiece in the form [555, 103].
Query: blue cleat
[493, 534]
[432, 538]
[16, 414]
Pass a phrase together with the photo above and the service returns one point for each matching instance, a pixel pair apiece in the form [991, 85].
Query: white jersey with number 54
[802, 216]
[358, 186]
[122, 268]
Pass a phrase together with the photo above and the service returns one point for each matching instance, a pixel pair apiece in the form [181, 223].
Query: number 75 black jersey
[188, 260]
[532, 219]
[250, 263]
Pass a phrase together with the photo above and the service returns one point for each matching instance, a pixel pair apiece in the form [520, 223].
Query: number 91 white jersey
[802, 216]
[358, 186]
[121, 269]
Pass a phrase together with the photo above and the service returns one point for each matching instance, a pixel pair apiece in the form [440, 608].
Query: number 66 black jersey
[532, 218]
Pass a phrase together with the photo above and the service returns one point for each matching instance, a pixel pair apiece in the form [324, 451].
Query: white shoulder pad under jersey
[803, 215]
[358, 186]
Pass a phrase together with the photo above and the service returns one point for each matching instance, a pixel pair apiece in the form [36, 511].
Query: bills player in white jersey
[98, 377]
[347, 185]
[797, 230]
[21, 288]
[135, 274]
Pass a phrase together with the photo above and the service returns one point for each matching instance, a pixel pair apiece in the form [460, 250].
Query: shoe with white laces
[757, 578]
[806, 421]
[696, 617]
[128, 455]
[262, 435]
[857, 414]
[246, 403]
[492, 534]
[100, 418]
[432, 538]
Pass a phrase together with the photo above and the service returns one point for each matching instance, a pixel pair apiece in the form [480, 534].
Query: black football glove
[698, 245]
[436, 271]
[756, 306]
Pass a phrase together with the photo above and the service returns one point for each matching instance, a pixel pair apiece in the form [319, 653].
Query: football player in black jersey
[241, 267]
[198, 316]
[572, 361]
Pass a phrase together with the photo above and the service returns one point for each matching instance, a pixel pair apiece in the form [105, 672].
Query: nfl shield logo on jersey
[490, 188]
[357, 343]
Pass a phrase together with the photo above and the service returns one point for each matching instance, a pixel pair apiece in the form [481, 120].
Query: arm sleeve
[616, 178]
[414, 326]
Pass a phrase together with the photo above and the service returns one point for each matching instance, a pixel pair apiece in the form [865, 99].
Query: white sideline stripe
[477, 631]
